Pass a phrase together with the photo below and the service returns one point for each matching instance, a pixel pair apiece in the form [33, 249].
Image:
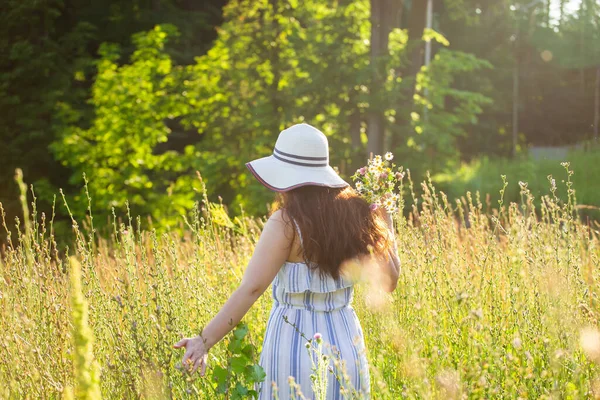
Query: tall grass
[86, 368]
[497, 305]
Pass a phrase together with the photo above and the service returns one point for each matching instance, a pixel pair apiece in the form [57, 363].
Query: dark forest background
[133, 97]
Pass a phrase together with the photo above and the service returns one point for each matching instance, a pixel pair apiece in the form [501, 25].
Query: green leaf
[238, 364]
[255, 373]
[220, 375]
[241, 331]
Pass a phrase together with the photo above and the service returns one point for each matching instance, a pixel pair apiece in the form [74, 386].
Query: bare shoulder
[280, 216]
[281, 223]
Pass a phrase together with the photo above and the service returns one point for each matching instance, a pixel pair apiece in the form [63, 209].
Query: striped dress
[306, 302]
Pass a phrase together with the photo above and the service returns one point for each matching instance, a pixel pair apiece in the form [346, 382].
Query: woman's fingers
[203, 369]
[199, 362]
[182, 343]
[188, 359]
[194, 358]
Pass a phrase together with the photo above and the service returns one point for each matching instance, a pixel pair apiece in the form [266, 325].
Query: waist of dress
[313, 301]
[343, 307]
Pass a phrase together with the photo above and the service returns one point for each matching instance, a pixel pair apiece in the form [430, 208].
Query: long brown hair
[335, 224]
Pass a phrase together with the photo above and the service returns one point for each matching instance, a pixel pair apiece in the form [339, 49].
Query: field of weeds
[494, 301]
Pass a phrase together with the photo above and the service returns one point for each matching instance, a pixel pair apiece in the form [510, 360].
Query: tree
[385, 16]
[49, 50]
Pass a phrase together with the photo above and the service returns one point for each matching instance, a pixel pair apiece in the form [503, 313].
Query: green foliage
[483, 175]
[140, 116]
[273, 64]
[132, 102]
[49, 49]
[38, 59]
[238, 378]
[445, 109]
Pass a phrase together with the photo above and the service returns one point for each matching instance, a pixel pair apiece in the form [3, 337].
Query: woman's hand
[196, 354]
[388, 218]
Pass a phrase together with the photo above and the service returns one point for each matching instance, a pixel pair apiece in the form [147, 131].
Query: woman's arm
[392, 262]
[271, 251]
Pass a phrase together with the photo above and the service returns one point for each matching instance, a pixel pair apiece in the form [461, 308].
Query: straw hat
[300, 158]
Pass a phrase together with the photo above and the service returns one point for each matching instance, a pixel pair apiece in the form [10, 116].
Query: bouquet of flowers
[377, 182]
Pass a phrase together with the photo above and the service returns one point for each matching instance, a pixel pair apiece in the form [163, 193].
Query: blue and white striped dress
[311, 303]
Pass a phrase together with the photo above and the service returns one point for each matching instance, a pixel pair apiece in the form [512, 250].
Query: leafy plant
[239, 377]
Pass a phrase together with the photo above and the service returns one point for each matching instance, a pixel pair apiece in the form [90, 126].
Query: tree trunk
[383, 15]
[355, 125]
[416, 26]
[597, 106]
[276, 67]
[515, 108]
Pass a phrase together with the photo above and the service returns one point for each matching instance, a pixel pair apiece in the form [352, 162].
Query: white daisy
[389, 156]
[388, 204]
[377, 161]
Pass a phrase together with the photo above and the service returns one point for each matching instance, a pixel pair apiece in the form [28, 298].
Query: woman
[321, 225]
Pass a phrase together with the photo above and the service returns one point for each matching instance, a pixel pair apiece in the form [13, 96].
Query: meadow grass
[489, 305]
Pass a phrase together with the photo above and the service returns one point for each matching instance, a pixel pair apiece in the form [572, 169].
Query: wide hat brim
[282, 177]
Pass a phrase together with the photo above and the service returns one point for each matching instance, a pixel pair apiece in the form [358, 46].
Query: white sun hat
[300, 158]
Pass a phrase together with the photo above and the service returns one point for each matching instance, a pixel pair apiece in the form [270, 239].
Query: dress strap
[298, 230]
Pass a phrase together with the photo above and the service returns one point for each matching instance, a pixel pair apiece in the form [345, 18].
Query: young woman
[321, 226]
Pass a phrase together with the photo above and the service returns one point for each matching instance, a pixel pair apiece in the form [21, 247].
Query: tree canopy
[138, 96]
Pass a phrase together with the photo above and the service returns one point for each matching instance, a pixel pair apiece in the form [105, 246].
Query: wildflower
[523, 185]
[373, 207]
[389, 156]
[389, 204]
[383, 175]
[362, 171]
[399, 175]
[318, 337]
[359, 186]
[477, 313]
[376, 187]
[517, 343]
[449, 382]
